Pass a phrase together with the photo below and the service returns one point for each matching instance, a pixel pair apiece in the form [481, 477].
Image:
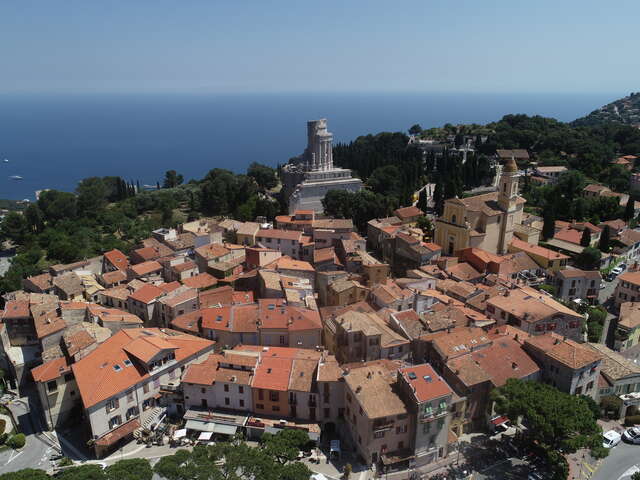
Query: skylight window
[117, 367]
[127, 363]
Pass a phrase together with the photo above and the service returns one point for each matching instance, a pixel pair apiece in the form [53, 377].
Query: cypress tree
[585, 240]
[605, 239]
[422, 200]
[629, 209]
[549, 226]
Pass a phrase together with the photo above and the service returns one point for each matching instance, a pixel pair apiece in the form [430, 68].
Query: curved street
[616, 466]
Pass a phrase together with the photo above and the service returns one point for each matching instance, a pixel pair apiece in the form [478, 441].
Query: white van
[610, 439]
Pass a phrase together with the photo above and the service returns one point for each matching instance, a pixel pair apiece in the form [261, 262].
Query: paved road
[620, 459]
[36, 452]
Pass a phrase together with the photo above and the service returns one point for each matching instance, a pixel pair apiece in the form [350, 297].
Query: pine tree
[585, 240]
[605, 239]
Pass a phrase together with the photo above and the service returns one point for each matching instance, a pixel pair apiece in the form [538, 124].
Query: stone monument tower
[307, 178]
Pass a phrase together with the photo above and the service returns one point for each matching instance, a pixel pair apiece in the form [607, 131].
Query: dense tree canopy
[264, 176]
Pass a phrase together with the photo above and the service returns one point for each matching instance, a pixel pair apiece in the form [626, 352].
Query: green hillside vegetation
[624, 110]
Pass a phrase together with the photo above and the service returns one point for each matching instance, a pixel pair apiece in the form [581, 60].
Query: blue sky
[302, 45]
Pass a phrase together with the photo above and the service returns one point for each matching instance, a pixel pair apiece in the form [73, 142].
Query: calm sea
[54, 141]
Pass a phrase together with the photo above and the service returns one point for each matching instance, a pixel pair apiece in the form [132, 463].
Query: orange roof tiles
[202, 280]
[16, 309]
[565, 351]
[407, 212]
[287, 263]
[212, 251]
[272, 373]
[51, 370]
[537, 250]
[116, 258]
[145, 268]
[426, 384]
[147, 294]
[95, 374]
[275, 233]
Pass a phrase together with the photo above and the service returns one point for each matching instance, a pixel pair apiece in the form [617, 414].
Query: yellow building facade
[483, 221]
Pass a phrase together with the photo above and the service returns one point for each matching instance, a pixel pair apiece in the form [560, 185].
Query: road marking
[589, 467]
[13, 458]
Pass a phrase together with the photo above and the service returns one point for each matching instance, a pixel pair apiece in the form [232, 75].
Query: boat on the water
[15, 177]
[6, 160]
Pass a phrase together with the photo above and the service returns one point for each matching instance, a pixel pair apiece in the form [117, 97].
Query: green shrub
[3, 438]
[17, 441]
[599, 452]
[65, 462]
[632, 420]
[3, 425]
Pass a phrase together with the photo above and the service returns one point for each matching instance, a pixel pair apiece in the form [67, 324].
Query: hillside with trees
[624, 110]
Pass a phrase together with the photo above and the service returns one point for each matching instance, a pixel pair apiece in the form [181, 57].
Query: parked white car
[632, 435]
[610, 439]
[617, 270]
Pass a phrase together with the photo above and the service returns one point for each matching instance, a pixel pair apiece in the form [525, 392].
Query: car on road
[618, 270]
[610, 439]
[603, 285]
[632, 435]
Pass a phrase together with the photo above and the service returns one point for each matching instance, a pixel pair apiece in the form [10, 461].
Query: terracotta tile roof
[184, 266]
[324, 255]
[578, 273]
[148, 253]
[70, 283]
[434, 247]
[273, 373]
[76, 341]
[51, 370]
[329, 370]
[146, 268]
[333, 223]
[203, 373]
[147, 294]
[566, 352]
[594, 187]
[530, 305]
[179, 296]
[111, 278]
[114, 315]
[121, 292]
[570, 235]
[371, 384]
[426, 384]
[44, 281]
[275, 233]
[212, 251]
[287, 263]
[631, 277]
[629, 237]
[46, 320]
[232, 318]
[486, 203]
[246, 359]
[459, 341]
[407, 212]
[200, 281]
[302, 375]
[463, 272]
[119, 433]
[116, 258]
[16, 309]
[95, 374]
[169, 287]
[537, 250]
[614, 366]
[468, 371]
[391, 292]
[629, 315]
[188, 322]
[216, 296]
[280, 352]
[274, 314]
[505, 359]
